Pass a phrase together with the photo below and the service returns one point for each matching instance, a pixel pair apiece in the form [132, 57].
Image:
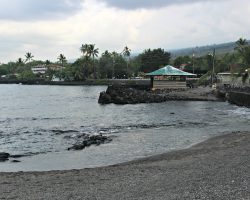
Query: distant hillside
[204, 50]
[198, 51]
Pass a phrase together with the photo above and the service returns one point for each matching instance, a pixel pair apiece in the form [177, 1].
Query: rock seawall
[236, 95]
[129, 95]
[239, 98]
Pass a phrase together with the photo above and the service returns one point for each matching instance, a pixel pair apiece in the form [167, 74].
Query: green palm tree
[244, 50]
[241, 44]
[93, 52]
[126, 53]
[28, 57]
[106, 54]
[20, 61]
[62, 59]
[114, 56]
[84, 49]
[47, 62]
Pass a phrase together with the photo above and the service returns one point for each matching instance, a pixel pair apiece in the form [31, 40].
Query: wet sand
[218, 168]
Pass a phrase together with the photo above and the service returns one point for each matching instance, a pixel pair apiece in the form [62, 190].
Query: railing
[168, 84]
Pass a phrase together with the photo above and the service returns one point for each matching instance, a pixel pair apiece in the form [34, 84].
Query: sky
[47, 28]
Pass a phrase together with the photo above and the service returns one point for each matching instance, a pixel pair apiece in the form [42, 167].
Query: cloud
[170, 27]
[20, 10]
[135, 4]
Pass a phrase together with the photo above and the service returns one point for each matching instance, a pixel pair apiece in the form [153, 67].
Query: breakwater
[130, 95]
[236, 95]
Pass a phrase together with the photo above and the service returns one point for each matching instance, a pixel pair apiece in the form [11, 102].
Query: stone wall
[239, 98]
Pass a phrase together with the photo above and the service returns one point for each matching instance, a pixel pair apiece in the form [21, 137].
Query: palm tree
[84, 49]
[126, 53]
[114, 56]
[20, 61]
[47, 62]
[106, 53]
[244, 50]
[28, 57]
[241, 44]
[92, 52]
[62, 59]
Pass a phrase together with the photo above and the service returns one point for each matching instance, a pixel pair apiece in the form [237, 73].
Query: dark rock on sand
[4, 156]
[90, 140]
[15, 161]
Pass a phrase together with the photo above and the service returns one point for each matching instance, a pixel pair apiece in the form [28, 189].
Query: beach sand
[218, 168]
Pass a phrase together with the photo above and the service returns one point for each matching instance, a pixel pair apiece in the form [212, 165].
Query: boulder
[4, 156]
[126, 95]
[104, 98]
[90, 140]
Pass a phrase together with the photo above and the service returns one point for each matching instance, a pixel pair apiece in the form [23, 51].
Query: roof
[169, 71]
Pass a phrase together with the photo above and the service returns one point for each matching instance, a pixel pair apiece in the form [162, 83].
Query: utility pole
[213, 67]
[113, 65]
[193, 60]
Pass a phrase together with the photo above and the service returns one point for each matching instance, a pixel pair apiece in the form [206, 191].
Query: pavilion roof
[169, 71]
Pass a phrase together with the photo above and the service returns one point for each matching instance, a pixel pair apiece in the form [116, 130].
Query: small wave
[10, 120]
[59, 132]
[131, 127]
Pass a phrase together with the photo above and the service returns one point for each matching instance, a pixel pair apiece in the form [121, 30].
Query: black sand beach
[215, 169]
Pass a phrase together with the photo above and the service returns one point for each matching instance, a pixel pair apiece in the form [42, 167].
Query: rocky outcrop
[90, 140]
[236, 95]
[126, 95]
[4, 156]
[239, 98]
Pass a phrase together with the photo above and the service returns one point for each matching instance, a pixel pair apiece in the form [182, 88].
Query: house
[39, 69]
[233, 78]
[54, 67]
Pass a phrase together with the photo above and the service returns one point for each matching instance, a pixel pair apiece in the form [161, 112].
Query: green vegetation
[107, 65]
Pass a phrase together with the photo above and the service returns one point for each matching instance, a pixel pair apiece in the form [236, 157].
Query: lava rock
[90, 140]
[15, 161]
[4, 156]
[125, 95]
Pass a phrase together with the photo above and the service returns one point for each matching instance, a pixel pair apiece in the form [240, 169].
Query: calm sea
[41, 122]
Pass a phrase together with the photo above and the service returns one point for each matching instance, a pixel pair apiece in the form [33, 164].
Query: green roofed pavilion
[169, 71]
[168, 77]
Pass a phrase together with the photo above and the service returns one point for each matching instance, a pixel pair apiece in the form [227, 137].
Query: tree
[20, 61]
[62, 59]
[243, 49]
[92, 52]
[28, 56]
[182, 60]
[241, 44]
[89, 50]
[106, 65]
[27, 75]
[47, 62]
[84, 49]
[126, 53]
[153, 59]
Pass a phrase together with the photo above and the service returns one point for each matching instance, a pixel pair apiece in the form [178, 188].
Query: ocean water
[42, 122]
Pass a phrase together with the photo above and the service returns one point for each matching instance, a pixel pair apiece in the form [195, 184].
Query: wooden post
[151, 82]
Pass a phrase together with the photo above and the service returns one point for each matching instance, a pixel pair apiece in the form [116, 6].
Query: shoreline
[216, 168]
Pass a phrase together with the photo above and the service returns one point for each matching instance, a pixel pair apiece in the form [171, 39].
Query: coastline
[216, 168]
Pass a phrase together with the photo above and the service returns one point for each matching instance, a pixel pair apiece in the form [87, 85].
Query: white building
[231, 78]
[39, 69]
